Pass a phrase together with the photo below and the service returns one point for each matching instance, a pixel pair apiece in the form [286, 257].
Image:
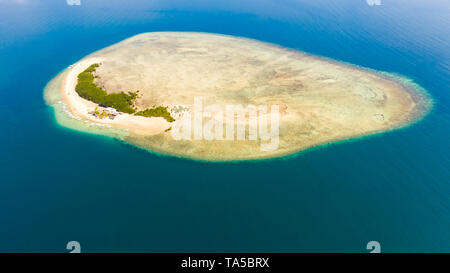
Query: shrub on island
[87, 89]
[122, 102]
[159, 111]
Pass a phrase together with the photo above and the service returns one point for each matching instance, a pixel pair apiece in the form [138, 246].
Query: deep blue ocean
[393, 188]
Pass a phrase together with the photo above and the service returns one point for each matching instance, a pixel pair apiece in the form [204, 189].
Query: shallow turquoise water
[393, 188]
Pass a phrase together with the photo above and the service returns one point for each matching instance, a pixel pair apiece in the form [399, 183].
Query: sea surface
[59, 185]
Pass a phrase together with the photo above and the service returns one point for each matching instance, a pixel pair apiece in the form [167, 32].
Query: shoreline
[80, 107]
[153, 126]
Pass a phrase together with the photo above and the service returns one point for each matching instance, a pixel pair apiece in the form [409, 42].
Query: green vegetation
[168, 129]
[102, 113]
[159, 111]
[87, 89]
[122, 102]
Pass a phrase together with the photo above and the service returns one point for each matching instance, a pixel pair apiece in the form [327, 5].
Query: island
[145, 89]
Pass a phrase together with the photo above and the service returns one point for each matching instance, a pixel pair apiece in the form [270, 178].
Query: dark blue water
[393, 188]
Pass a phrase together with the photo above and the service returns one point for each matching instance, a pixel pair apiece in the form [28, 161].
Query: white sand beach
[80, 107]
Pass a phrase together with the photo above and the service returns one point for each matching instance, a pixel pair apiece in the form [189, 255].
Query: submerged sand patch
[321, 100]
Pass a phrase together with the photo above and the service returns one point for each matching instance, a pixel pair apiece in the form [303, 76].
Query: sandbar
[320, 100]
